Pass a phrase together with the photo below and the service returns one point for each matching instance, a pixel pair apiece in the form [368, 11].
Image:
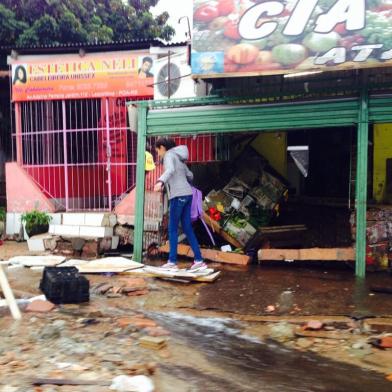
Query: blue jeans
[180, 211]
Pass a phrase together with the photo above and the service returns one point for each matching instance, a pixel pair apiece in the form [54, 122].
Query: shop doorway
[307, 200]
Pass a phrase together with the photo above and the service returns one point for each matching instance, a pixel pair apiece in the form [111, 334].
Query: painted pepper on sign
[273, 37]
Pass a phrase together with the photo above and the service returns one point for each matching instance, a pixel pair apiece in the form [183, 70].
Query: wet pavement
[250, 365]
[210, 353]
[312, 289]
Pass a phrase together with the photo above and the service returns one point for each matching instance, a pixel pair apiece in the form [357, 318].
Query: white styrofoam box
[95, 232]
[52, 229]
[72, 219]
[115, 242]
[67, 231]
[56, 219]
[95, 219]
[36, 245]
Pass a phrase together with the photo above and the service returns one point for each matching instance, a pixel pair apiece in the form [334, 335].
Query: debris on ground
[270, 309]
[282, 332]
[313, 325]
[383, 342]
[210, 254]
[152, 342]
[129, 286]
[36, 261]
[132, 384]
[39, 306]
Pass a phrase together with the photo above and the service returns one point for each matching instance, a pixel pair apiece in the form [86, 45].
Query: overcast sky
[176, 9]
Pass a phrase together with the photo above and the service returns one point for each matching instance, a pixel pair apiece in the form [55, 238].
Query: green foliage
[35, 218]
[41, 22]
[2, 214]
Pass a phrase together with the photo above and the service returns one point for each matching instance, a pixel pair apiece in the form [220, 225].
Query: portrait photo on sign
[19, 75]
[146, 65]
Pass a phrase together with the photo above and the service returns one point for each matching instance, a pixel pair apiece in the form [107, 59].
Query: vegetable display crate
[64, 285]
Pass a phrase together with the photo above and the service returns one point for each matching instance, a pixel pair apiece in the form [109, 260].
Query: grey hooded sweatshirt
[176, 175]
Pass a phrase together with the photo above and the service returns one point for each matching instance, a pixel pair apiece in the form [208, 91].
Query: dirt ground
[205, 321]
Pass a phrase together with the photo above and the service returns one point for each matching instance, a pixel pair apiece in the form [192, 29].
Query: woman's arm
[169, 169]
[189, 174]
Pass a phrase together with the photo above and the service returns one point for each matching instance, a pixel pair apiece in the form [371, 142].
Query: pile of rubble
[378, 236]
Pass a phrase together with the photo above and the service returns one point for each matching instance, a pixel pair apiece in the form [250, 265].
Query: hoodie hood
[181, 151]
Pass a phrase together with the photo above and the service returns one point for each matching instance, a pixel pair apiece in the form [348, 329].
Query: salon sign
[292, 36]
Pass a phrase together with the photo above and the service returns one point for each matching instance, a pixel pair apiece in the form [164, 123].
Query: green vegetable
[378, 29]
[289, 54]
[317, 42]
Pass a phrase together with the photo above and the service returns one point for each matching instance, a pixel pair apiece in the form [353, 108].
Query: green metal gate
[229, 115]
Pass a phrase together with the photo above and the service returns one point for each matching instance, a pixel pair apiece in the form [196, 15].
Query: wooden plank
[322, 334]
[313, 254]
[215, 226]
[154, 272]
[225, 257]
[280, 229]
[211, 254]
[9, 295]
[63, 381]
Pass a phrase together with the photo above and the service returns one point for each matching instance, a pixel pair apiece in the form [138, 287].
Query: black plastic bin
[64, 285]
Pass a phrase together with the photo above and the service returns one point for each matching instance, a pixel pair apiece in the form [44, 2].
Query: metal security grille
[81, 153]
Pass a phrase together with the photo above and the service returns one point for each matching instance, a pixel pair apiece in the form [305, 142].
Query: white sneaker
[169, 266]
[198, 266]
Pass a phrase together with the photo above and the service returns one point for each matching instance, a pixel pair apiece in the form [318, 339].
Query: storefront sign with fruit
[290, 36]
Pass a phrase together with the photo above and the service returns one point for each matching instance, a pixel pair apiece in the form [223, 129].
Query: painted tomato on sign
[271, 36]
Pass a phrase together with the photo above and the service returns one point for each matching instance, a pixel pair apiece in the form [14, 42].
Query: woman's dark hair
[16, 77]
[166, 142]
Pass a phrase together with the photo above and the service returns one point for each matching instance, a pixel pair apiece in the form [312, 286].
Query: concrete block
[67, 231]
[115, 242]
[51, 243]
[72, 219]
[112, 220]
[96, 219]
[10, 223]
[95, 232]
[13, 223]
[105, 244]
[56, 219]
[36, 245]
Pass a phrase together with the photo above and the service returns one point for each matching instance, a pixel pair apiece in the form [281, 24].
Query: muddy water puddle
[236, 362]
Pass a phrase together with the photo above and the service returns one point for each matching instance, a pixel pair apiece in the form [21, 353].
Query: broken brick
[137, 293]
[40, 306]
[138, 322]
[90, 249]
[386, 342]
[314, 325]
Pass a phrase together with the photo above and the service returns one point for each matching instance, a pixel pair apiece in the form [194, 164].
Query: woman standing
[176, 178]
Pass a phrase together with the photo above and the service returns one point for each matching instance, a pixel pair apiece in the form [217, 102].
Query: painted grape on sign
[272, 37]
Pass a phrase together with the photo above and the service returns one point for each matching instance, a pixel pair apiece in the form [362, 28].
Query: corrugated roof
[114, 45]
